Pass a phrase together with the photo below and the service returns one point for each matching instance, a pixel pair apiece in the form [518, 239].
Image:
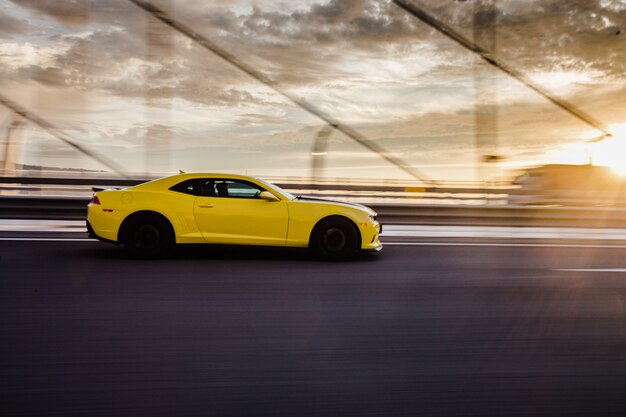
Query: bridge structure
[486, 119]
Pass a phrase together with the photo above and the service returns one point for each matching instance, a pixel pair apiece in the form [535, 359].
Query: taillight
[94, 200]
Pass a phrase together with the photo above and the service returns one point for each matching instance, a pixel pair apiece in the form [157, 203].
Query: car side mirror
[266, 195]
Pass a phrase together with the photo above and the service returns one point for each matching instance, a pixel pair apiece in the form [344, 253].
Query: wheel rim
[146, 237]
[334, 240]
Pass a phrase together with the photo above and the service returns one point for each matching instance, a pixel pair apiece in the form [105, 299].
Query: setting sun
[611, 152]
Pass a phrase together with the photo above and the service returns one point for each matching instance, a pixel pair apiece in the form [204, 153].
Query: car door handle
[206, 205]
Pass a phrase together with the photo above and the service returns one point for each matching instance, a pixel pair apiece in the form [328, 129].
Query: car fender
[303, 216]
[176, 209]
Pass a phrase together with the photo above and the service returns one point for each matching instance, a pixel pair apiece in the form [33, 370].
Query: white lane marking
[533, 245]
[48, 226]
[37, 222]
[45, 229]
[412, 227]
[503, 232]
[514, 245]
[593, 270]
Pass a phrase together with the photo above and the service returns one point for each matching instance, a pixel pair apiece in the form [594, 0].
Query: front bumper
[370, 238]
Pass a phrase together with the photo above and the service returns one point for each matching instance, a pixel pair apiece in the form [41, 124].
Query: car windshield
[277, 189]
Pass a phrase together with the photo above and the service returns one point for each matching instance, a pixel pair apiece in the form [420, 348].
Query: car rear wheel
[335, 239]
[147, 237]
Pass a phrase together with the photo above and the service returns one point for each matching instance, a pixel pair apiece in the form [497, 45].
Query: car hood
[327, 200]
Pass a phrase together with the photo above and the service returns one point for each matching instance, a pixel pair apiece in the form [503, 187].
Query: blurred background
[107, 89]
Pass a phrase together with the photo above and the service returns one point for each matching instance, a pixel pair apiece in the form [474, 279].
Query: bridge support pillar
[9, 167]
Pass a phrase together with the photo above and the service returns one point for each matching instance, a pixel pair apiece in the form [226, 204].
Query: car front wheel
[335, 239]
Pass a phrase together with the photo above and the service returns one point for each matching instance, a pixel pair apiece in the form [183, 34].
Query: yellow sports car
[148, 219]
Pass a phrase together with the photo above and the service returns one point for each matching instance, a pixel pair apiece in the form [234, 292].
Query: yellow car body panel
[287, 221]
[242, 221]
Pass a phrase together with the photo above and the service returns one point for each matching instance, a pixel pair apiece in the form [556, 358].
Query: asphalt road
[412, 331]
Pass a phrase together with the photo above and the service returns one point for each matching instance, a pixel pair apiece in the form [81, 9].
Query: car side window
[235, 189]
[191, 187]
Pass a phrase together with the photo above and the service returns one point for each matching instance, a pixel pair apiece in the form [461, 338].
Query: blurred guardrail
[354, 190]
[363, 191]
[394, 203]
[74, 208]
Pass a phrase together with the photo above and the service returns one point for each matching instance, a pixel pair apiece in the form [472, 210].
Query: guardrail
[409, 192]
[74, 208]
[395, 203]
[374, 192]
[45, 208]
[290, 184]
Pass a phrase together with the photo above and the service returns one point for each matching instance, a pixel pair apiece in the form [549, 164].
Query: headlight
[373, 217]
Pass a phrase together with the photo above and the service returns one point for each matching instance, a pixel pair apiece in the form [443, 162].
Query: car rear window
[192, 187]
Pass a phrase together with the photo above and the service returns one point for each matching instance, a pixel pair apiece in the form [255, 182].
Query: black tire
[147, 236]
[335, 239]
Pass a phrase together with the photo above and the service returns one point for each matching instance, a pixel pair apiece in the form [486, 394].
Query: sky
[127, 87]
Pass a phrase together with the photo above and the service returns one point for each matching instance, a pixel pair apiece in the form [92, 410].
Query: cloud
[310, 45]
[366, 62]
[574, 35]
[72, 13]
[279, 36]
[10, 27]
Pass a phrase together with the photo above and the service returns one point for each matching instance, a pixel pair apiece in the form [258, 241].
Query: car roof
[167, 182]
[207, 175]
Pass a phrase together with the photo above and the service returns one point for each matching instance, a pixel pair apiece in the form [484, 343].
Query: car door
[230, 211]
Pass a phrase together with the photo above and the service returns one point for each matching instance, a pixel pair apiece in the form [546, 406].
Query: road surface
[448, 329]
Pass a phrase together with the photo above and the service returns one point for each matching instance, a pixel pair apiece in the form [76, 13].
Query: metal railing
[395, 202]
[74, 208]
[395, 192]
[398, 192]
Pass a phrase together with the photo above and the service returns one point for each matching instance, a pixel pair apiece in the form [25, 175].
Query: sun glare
[611, 152]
